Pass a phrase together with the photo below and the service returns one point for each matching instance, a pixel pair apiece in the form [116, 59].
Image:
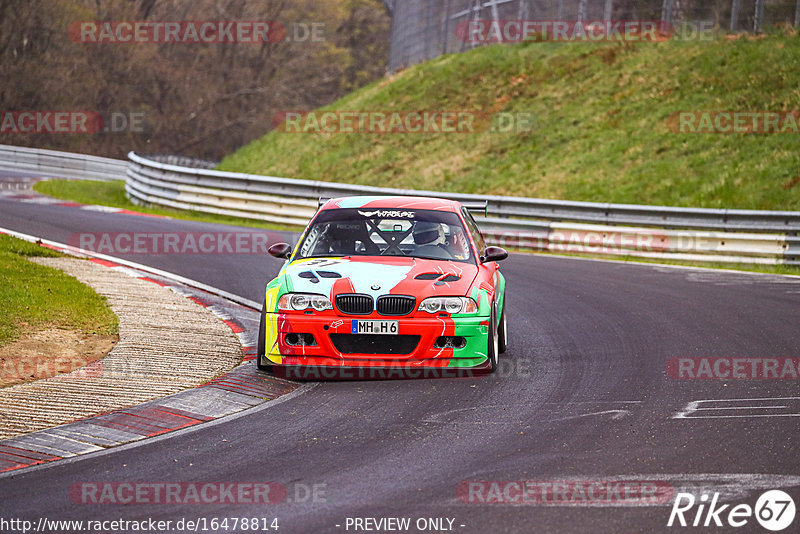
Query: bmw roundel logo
[375, 287]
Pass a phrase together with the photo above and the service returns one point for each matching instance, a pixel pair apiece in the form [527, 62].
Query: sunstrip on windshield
[476, 205]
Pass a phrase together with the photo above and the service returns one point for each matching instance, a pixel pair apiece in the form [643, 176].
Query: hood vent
[309, 275]
[435, 276]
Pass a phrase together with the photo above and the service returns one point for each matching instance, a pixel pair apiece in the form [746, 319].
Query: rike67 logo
[774, 510]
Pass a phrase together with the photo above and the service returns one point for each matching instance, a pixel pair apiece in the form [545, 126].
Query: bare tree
[203, 99]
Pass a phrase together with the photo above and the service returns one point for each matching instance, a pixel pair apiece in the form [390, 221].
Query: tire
[502, 332]
[261, 346]
[492, 349]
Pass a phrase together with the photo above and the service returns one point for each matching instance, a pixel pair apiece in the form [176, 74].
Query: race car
[386, 282]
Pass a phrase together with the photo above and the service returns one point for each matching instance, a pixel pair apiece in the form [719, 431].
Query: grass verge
[34, 297]
[50, 323]
[604, 125]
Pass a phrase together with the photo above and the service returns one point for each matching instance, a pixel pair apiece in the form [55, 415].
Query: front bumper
[413, 347]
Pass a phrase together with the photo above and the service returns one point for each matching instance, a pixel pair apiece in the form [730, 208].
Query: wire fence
[425, 29]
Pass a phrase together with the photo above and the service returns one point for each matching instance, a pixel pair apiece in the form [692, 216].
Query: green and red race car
[386, 282]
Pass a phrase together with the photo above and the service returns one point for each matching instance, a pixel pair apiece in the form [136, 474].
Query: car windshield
[428, 234]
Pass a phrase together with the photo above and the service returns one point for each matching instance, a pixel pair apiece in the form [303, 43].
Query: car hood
[417, 277]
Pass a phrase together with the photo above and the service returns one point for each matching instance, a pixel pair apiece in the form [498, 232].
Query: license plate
[374, 327]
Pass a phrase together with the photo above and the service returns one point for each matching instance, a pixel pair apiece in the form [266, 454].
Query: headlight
[449, 305]
[304, 301]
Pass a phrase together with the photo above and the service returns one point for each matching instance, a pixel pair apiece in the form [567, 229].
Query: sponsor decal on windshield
[384, 214]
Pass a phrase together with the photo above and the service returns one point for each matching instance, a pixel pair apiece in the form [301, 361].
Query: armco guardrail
[517, 223]
[53, 163]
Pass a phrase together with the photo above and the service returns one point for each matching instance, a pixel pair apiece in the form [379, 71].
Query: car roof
[393, 202]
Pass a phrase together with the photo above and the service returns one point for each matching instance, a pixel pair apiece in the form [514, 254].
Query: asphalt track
[582, 395]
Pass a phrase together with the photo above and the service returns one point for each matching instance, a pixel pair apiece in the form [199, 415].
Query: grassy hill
[601, 129]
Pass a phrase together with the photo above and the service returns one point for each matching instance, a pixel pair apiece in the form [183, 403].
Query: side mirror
[494, 254]
[280, 250]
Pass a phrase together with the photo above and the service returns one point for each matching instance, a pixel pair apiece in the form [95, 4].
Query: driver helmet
[428, 233]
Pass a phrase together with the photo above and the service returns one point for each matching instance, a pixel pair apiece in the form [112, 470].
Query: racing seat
[341, 238]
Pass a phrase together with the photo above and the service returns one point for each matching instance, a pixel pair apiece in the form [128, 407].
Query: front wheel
[261, 346]
[502, 334]
[493, 348]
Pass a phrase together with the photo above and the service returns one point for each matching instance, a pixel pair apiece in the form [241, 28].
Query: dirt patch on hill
[50, 353]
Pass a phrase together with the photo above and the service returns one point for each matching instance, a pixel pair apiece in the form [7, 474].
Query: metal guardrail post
[735, 4]
[797, 14]
[758, 19]
[608, 10]
[582, 10]
[666, 11]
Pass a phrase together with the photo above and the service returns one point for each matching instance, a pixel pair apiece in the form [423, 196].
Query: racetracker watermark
[403, 122]
[172, 32]
[195, 32]
[619, 241]
[202, 493]
[734, 122]
[41, 367]
[732, 368]
[565, 492]
[506, 368]
[520, 31]
[71, 122]
[157, 243]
